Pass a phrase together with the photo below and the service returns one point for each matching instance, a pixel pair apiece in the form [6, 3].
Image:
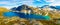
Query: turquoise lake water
[27, 16]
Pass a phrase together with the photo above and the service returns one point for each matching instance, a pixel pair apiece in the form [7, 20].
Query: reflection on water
[33, 16]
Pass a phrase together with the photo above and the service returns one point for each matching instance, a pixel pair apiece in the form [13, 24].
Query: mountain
[57, 7]
[19, 8]
[53, 7]
[44, 6]
[36, 12]
[14, 8]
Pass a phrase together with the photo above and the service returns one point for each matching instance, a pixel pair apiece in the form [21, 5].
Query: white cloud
[50, 0]
[55, 3]
[15, 3]
[38, 0]
[6, 3]
[3, 2]
[8, 7]
[27, 2]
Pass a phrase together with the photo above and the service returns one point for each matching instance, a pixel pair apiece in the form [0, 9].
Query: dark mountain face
[13, 8]
[23, 7]
[19, 8]
[53, 7]
[44, 6]
[58, 7]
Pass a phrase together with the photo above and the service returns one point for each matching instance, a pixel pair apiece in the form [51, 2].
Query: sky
[14, 3]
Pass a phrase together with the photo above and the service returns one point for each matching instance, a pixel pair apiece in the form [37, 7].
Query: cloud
[55, 3]
[3, 2]
[15, 3]
[6, 3]
[49, 0]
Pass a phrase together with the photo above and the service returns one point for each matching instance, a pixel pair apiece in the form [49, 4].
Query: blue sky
[15, 3]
